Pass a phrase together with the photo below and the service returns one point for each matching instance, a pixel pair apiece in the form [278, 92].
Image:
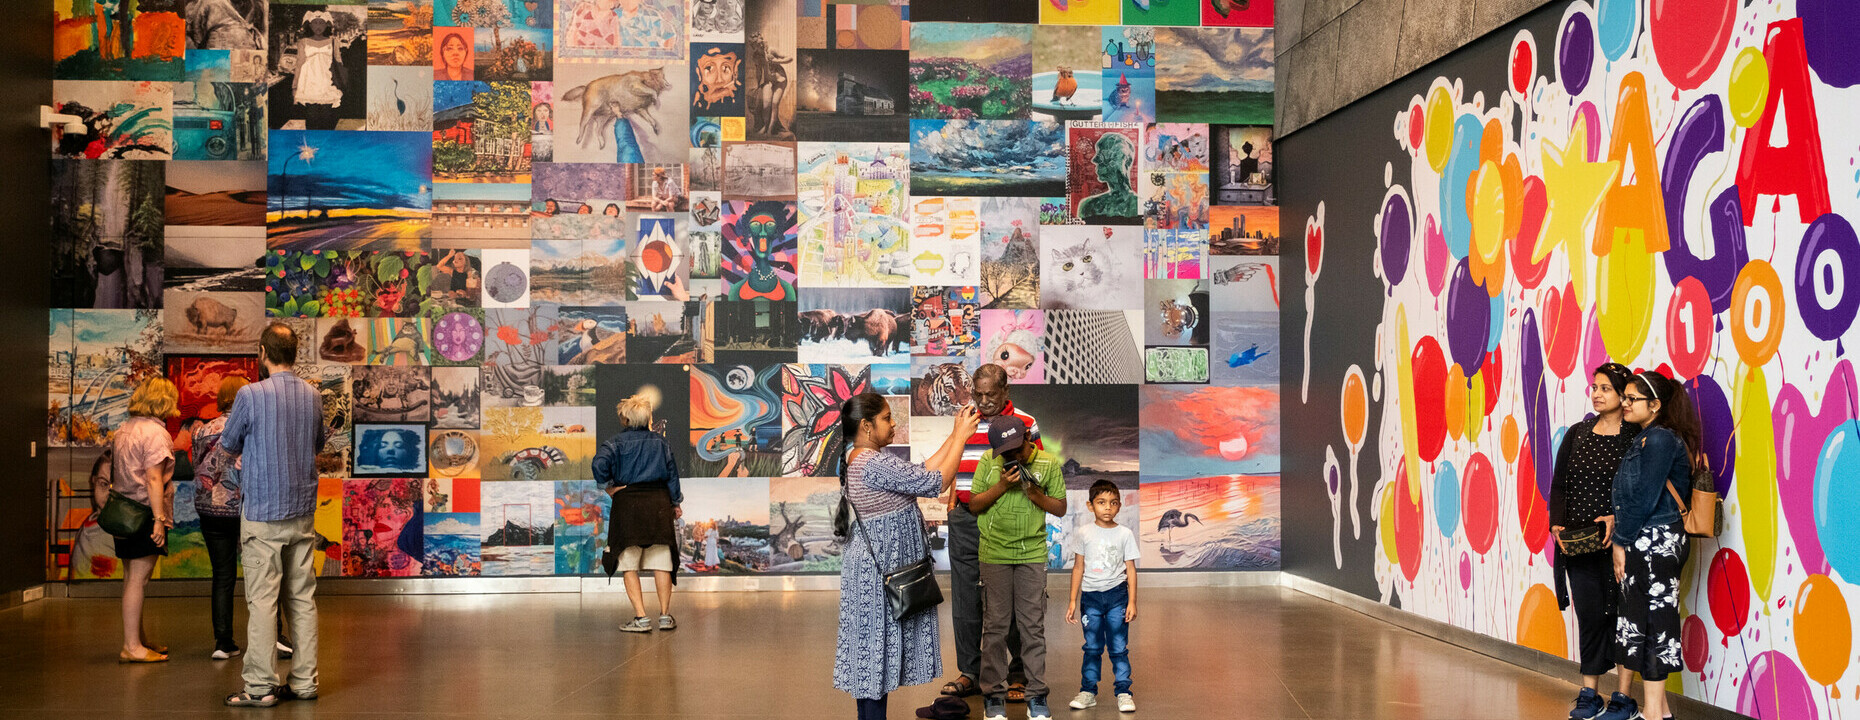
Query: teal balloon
[1447, 499]
[1618, 23]
[1462, 160]
[1837, 500]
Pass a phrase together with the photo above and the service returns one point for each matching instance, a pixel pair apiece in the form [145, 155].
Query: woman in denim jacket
[1650, 543]
[637, 469]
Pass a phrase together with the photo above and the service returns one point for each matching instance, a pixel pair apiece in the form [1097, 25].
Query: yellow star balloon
[1574, 188]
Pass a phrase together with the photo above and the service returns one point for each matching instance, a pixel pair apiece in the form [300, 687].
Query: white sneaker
[226, 654]
[1126, 703]
[1084, 700]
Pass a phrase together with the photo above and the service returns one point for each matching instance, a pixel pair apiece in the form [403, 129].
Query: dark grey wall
[1341, 159]
[25, 84]
[1331, 52]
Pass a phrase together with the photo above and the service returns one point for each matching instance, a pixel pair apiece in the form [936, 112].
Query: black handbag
[910, 588]
[123, 517]
[1581, 540]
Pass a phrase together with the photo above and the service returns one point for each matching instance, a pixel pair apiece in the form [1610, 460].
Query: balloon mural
[1673, 185]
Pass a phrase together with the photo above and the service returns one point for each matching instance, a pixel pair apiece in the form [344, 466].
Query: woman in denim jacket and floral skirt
[1650, 543]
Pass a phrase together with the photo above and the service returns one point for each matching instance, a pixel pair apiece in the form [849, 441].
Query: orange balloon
[1540, 624]
[1456, 402]
[1355, 408]
[1508, 435]
[1823, 631]
[1756, 314]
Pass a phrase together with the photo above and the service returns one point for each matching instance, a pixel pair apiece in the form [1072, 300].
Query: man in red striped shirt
[991, 400]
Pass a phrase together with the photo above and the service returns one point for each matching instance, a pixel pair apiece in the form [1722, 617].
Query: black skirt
[140, 544]
[642, 516]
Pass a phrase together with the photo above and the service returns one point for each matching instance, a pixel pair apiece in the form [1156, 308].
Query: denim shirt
[637, 456]
[1640, 499]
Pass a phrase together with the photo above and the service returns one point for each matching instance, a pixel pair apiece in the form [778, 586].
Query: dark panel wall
[1342, 158]
[25, 75]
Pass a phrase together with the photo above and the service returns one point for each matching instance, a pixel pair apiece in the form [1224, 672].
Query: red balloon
[1479, 503]
[1689, 328]
[1694, 642]
[1430, 397]
[1417, 127]
[1410, 522]
[1728, 592]
[1523, 66]
[1562, 330]
[1536, 202]
[1689, 37]
[1314, 249]
[1533, 509]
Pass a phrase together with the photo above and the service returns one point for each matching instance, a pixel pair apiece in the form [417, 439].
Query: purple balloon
[1829, 238]
[1536, 399]
[1397, 238]
[1700, 132]
[1469, 311]
[1828, 30]
[1718, 427]
[1775, 689]
[1575, 52]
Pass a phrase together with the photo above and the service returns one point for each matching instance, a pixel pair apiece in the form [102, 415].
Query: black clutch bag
[1581, 540]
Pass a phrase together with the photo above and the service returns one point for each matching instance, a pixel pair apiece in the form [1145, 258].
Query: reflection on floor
[1257, 652]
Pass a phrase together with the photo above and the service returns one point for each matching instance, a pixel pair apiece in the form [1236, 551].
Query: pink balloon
[1775, 689]
[1434, 245]
[1594, 353]
[1800, 435]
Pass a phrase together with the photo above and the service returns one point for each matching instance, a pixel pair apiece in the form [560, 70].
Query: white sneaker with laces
[1084, 700]
[1126, 702]
[226, 654]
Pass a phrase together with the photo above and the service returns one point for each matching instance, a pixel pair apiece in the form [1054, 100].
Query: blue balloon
[1496, 332]
[1618, 25]
[1447, 499]
[1837, 499]
[1462, 160]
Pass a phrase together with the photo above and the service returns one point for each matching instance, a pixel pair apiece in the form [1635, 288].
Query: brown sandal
[962, 686]
[1017, 693]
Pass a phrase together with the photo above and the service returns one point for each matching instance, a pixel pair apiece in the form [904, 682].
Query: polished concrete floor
[1254, 652]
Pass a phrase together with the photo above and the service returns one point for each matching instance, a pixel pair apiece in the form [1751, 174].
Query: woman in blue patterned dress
[877, 654]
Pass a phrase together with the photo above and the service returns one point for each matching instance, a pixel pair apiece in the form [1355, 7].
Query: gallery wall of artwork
[1671, 186]
[492, 220]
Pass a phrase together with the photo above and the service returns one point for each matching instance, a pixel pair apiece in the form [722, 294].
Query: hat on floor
[945, 708]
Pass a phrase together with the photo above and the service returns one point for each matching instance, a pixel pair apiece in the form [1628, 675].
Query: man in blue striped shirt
[276, 428]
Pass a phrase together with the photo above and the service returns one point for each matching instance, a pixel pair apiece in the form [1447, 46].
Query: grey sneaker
[1084, 700]
[994, 708]
[1036, 708]
[637, 625]
[667, 623]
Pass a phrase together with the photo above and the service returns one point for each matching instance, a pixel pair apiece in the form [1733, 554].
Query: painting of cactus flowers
[963, 71]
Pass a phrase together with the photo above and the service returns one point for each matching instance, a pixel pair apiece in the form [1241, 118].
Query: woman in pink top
[141, 468]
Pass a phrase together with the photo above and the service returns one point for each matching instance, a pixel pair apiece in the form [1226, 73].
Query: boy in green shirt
[1016, 486]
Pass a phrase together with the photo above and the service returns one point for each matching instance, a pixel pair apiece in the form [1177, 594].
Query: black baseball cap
[1006, 433]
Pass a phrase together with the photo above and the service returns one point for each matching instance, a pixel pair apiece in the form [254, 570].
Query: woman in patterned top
[876, 654]
[1650, 544]
[216, 499]
[1582, 495]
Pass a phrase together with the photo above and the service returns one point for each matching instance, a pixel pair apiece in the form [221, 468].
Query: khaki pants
[1017, 593]
[277, 557]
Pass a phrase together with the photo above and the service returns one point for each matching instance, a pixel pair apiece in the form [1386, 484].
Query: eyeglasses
[1631, 399]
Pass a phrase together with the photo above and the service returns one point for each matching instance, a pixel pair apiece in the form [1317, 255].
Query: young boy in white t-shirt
[1104, 587]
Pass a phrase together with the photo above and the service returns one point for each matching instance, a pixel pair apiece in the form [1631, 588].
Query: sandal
[962, 686]
[1017, 693]
[244, 699]
[153, 657]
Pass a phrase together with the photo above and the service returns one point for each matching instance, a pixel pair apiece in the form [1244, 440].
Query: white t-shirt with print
[1105, 550]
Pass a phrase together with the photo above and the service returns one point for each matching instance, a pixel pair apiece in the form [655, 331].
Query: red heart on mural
[1562, 330]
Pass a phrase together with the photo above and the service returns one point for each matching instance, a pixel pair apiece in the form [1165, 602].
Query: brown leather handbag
[1704, 516]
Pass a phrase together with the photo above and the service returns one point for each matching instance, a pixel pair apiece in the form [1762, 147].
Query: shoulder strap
[1673, 491]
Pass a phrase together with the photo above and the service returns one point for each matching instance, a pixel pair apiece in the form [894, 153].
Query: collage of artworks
[492, 220]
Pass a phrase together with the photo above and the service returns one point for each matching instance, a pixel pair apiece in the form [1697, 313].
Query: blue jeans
[1103, 617]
